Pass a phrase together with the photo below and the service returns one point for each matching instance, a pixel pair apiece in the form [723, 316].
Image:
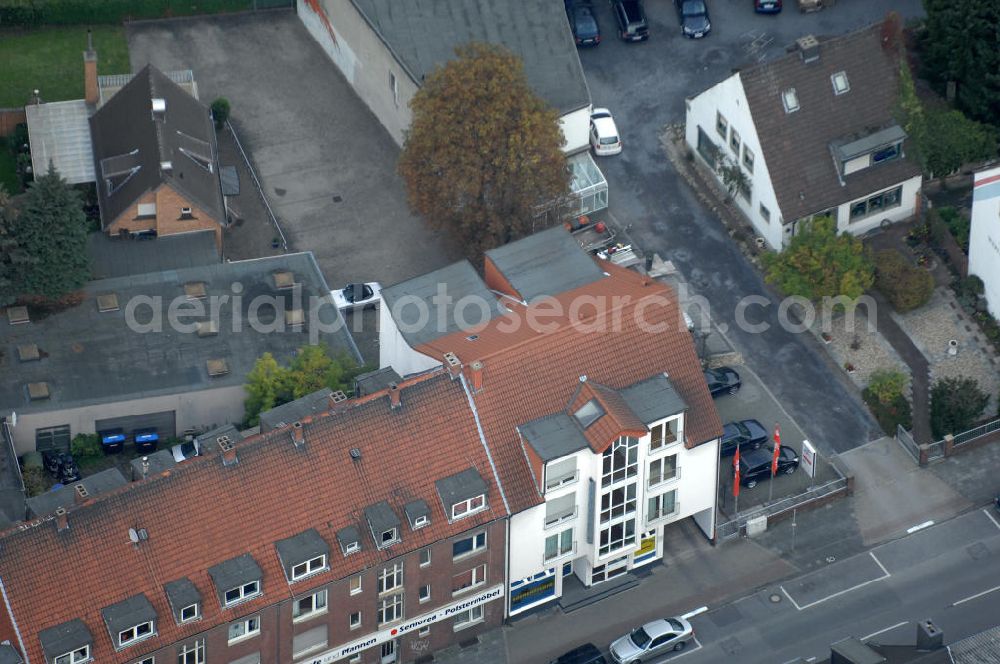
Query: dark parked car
[723, 380]
[756, 465]
[693, 15]
[583, 22]
[588, 653]
[747, 434]
[767, 6]
[632, 23]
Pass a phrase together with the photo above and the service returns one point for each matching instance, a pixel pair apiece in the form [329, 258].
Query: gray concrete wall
[363, 59]
[202, 408]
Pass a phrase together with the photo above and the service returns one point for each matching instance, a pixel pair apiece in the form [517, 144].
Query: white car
[186, 450]
[652, 640]
[604, 137]
[357, 296]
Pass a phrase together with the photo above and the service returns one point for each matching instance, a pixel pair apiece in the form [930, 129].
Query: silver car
[651, 640]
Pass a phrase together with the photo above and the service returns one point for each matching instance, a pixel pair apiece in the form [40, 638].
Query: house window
[618, 502]
[721, 125]
[425, 557]
[146, 210]
[660, 506]
[192, 654]
[190, 612]
[468, 545]
[748, 159]
[355, 584]
[660, 436]
[355, 620]
[468, 618]
[351, 547]
[133, 634]
[468, 580]
[354, 660]
[240, 593]
[560, 473]
[467, 507]
[147, 660]
[390, 578]
[559, 544]
[790, 100]
[620, 461]
[560, 509]
[75, 657]
[662, 470]
[424, 631]
[420, 522]
[302, 570]
[765, 213]
[734, 142]
[390, 608]
[886, 154]
[394, 87]
[878, 203]
[244, 629]
[617, 536]
[388, 537]
[840, 84]
[424, 594]
[309, 641]
[309, 606]
[186, 213]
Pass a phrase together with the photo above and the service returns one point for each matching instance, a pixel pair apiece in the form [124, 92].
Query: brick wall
[10, 118]
[168, 219]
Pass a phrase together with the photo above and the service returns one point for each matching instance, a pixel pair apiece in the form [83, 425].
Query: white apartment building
[984, 236]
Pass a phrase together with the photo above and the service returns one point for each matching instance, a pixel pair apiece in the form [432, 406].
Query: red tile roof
[618, 419]
[202, 513]
[627, 328]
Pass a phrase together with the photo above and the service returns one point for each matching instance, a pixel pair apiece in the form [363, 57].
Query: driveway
[327, 166]
[645, 86]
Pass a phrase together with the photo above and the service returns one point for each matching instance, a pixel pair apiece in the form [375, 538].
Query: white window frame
[244, 593]
[478, 577]
[313, 648]
[659, 501]
[351, 622]
[197, 649]
[393, 575]
[250, 628]
[393, 601]
[351, 547]
[134, 635]
[192, 618]
[560, 552]
[319, 601]
[658, 437]
[722, 123]
[661, 461]
[386, 543]
[735, 142]
[424, 631]
[468, 507]
[145, 210]
[468, 618]
[425, 557]
[841, 75]
[555, 481]
[74, 656]
[311, 566]
[560, 518]
[420, 521]
[355, 588]
[748, 164]
[147, 660]
[424, 597]
[788, 96]
[476, 547]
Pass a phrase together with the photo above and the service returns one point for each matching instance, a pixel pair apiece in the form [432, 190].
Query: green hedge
[33, 13]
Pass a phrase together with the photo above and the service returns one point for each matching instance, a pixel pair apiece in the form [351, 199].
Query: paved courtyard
[327, 166]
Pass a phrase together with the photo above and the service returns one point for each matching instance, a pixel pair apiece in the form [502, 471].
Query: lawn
[51, 61]
[8, 169]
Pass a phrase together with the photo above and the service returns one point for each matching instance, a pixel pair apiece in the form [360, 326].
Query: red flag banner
[777, 450]
[736, 473]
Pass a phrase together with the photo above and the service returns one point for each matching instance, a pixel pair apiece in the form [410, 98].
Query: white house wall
[728, 98]
[363, 58]
[575, 127]
[393, 351]
[984, 237]
[907, 208]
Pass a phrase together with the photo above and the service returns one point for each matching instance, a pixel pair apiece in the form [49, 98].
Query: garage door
[165, 423]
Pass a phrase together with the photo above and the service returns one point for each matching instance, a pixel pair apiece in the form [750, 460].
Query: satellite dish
[133, 536]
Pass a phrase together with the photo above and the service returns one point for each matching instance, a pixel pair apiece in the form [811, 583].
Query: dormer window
[130, 621]
[67, 643]
[303, 555]
[76, 657]
[840, 83]
[420, 522]
[463, 494]
[135, 633]
[190, 613]
[388, 537]
[302, 570]
[384, 524]
[588, 413]
[242, 592]
[184, 600]
[418, 513]
[467, 507]
[349, 539]
[236, 580]
[352, 547]
[790, 100]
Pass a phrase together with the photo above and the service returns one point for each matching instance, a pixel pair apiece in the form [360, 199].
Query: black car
[747, 434]
[68, 470]
[723, 380]
[756, 465]
[632, 23]
[583, 22]
[588, 653]
[693, 15]
[767, 6]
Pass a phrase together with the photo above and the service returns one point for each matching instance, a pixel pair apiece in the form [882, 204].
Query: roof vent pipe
[394, 400]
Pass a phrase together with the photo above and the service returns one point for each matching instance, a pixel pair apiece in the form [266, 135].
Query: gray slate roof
[295, 411]
[96, 484]
[299, 548]
[546, 263]
[209, 441]
[347, 536]
[181, 594]
[460, 486]
[381, 518]
[126, 137]
[553, 436]
[408, 299]
[424, 33]
[82, 343]
[796, 146]
[158, 461]
[981, 648]
[416, 509]
[653, 399]
[112, 257]
[12, 503]
[66, 637]
[127, 613]
[9, 655]
[233, 573]
[375, 381]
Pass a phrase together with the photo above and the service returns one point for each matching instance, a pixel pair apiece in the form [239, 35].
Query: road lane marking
[976, 596]
[687, 651]
[989, 516]
[696, 612]
[885, 572]
[921, 526]
[883, 631]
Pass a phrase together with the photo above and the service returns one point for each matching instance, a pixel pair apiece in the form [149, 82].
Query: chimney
[81, 494]
[808, 48]
[394, 400]
[62, 521]
[91, 93]
[476, 374]
[454, 365]
[228, 448]
[337, 397]
[929, 637]
[298, 434]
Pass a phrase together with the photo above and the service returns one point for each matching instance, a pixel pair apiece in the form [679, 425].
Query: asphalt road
[949, 573]
[645, 85]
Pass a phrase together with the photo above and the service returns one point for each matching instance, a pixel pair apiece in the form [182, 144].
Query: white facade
[908, 193]
[575, 127]
[605, 514]
[984, 236]
[393, 351]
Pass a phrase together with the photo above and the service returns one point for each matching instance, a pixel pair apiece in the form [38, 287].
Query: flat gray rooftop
[86, 356]
[553, 436]
[653, 399]
[546, 263]
[60, 134]
[116, 257]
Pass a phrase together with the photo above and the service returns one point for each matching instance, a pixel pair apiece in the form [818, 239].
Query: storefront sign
[808, 458]
[532, 592]
[646, 550]
[407, 626]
